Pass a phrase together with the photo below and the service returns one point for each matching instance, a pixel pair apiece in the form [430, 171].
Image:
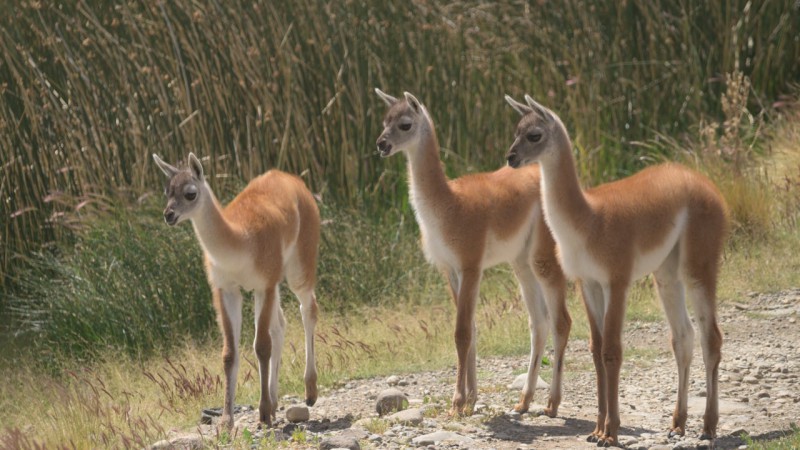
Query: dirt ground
[759, 385]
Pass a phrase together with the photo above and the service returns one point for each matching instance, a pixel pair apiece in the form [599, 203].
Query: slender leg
[229, 315]
[309, 311]
[263, 348]
[465, 319]
[595, 311]
[277, 331]
[472, 369]
[554, 288]
[612, 356]
[670, 291]
[538, 324]
[704, 301]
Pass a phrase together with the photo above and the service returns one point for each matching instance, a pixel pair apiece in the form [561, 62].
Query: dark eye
[405, 126]
[534, 137]
[190, 195]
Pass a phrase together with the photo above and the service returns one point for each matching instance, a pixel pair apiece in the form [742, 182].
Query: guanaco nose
[382, 144]
[169, 216]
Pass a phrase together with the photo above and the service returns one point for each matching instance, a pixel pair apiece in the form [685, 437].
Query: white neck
[216, 235]
[427, 180]
[564, 202]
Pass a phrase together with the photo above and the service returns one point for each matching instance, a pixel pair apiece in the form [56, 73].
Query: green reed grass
[90, 89]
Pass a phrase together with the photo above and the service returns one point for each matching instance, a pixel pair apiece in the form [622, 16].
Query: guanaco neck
[219, 238]
[428, 182]
[563, 199]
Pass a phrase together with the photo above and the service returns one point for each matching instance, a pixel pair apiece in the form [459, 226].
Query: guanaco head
[184, 189]
[403, 124]
[536, 135]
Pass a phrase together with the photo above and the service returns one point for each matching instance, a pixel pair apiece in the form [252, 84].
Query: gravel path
[759, 383]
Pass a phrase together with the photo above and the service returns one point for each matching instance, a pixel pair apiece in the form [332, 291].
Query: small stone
[439, 436]
[189, 441]
[402, 383]
[763, 394]
[792, 320]
[519, 383]
[334, 442]
[750, 379]
[409, 416]
[297, 413]
[392, 380]
[389, 401]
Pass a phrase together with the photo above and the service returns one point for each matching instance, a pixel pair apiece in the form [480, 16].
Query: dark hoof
[603, 443]
[706, 437]
[674, 434]
[311, 401]
[592, 438]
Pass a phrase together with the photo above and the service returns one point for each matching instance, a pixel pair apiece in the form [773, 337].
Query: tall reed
[90, 89]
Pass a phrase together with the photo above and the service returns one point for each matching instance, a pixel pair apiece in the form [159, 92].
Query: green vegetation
[108, 336]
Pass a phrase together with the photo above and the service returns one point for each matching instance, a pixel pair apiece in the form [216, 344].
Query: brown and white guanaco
[666, 220]
[269, 232]
[473, 223]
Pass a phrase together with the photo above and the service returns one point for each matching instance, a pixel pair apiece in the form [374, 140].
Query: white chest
[244, 277]
[575, 260]
[434, 245]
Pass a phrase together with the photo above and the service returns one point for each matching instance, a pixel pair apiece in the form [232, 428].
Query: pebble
[750, 379]
[335, 442]
[390, 400]
[409, 416]
[439, 436]
[297, 413]
[519, 383]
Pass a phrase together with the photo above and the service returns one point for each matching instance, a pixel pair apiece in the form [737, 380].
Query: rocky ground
[759, 382]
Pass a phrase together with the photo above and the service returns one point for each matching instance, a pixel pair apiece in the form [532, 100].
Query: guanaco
[470, 224]
[666, 220]
[269, 232]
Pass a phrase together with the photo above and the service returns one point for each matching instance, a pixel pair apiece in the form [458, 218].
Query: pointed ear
[386, 97]
[168, 170]
[541, 110]
[413, 102]
[196, 167]
[518, 107]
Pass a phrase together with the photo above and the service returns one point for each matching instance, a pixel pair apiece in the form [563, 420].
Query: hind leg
[309, 312]
[703, 299]
[263, 344]
[671, 292]
[277, 330]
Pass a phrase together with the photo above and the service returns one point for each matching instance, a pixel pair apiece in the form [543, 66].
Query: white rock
[392, 380]
[519, 382]
[439, 436]
[409, 416]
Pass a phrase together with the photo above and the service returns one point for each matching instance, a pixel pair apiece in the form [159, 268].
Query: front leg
[228, 304]
[465, 395]
[612, 358]
[263, 348]
[592, 294]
